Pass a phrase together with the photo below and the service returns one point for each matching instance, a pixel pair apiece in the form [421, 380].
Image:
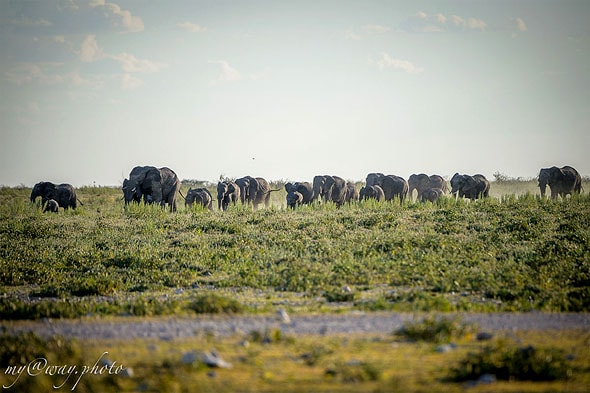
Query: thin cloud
[132, 64]
[228, 73]
[131, 22]
[29, 22]
[387, 62]
[90, 51]
[421, 22]
[370, 29]
[192, 27]
[376, 29]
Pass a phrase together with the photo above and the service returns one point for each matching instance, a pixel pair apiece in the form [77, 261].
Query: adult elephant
[227, 192]
[422, 181]
[153, 184]
[472, 187]
[304, 188]
[334, 190]
[371, 192]
[562, 181]
[318, 187]
[199, 196]
[244, 185]
[63, 194]
[351, 193]
[374, 179]
[259, 192]
[393, 187]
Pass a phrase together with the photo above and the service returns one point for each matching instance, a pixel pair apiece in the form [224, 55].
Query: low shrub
[433, 329]
[214, 304]
[513, 363]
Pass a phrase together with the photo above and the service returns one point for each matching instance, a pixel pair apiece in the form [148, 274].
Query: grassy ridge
[511, 252]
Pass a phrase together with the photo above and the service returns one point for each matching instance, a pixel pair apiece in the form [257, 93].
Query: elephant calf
[431, 194]
[372, 192]
[227, 192]
[200, 196]
[51, 206]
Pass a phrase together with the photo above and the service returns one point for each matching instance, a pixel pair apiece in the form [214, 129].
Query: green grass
[511, 252]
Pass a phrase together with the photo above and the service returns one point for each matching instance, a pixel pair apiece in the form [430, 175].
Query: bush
[432, 329]
[215, 304]
[513, 363]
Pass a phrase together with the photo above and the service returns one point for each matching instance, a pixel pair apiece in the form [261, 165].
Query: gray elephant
[334, 190]
[227, 192]
[393, 186]
[562, 181]
[472, 187]
[294, 198]
[351, 195]
[374, 178]
[371, 192]
[244, 185]
[199, 196]
[304, 188]
[153, 185]
[431, 194]
[51, 206]
[257, 190]
[421, 182]
[318, 187]
[63, 194]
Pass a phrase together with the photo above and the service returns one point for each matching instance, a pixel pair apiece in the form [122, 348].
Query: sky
[288, 90]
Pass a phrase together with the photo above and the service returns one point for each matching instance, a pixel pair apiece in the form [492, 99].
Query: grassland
[511, 252]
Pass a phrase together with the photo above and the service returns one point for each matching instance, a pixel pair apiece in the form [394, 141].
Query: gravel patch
[168, 328]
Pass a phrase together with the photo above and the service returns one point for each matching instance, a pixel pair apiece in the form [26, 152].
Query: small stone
[346, 289]
[444, 348]
[189, 357]
[284, 316]
[487, 378]
[484, 336]
[212, 359]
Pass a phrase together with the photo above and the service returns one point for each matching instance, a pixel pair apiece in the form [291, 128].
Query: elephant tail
[180, 192]
[79, 201]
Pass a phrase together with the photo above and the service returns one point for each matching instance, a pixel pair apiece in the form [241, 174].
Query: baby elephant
[372, 192]
[51, 206]
[431, 194]
[200, 196]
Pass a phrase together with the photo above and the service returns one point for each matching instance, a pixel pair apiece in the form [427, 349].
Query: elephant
[371, 192]
[472, 187]
[421, 182]
[393, 187]
[351, 193]
[51, 206]
[294, 198]
[244, 185]
[200, 196]
[63, 194]
[304, 188]
[334, 190]
[431, 194]
[374, 178]
[254, 190]
[562, 181]
[318, 187]
[153, 185]
[227, 192]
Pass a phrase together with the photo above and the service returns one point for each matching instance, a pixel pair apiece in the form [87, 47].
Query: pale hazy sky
[291, 89]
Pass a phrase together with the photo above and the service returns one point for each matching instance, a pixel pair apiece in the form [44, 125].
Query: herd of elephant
[161, 186]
